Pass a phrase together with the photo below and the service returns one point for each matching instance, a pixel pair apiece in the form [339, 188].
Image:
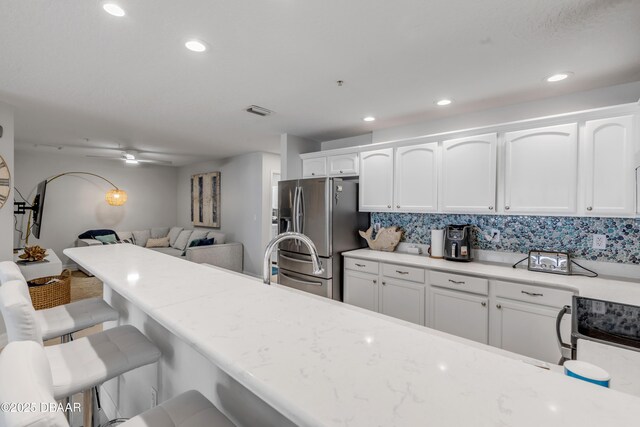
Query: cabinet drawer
[459, 282]
[533, 294]
[403, 272]
[361, 265]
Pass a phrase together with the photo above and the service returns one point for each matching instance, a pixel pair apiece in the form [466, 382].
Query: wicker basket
[47, 295]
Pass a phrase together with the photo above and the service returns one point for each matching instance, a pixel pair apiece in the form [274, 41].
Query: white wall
[291, 147]
[270, 165]
[244, 214]
[76, 203]
[6, 213]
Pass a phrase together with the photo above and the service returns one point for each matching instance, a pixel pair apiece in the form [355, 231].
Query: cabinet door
[403, 300]
[609, 172]
[376, 180]
[468, 174]
[344, 164]
[361, 289]
[316, 166]
[527, 329]
[461, 314]
[416, 178]
[541, 170]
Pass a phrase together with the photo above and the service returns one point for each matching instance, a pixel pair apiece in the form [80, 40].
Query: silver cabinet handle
[398, 206]
[532, 294]
[359, 265]
[456, 282]
[483, 303]
[384, 283]
[402, 272]
[389, 206]
[490, 208]
[506, 208]
[589, 208]
[313, 173]
[340, 171]
[498, 306]
[375, 281]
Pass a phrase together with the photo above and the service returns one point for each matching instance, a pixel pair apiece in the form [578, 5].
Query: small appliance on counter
[550, 262]
[457, 242]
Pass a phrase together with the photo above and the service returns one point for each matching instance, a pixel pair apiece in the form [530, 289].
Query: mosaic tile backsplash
[523, 233]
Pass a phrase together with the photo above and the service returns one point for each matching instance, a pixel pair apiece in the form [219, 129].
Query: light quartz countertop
[606, 288]
[323, 363]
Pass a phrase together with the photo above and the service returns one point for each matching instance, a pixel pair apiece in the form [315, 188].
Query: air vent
[260, 111]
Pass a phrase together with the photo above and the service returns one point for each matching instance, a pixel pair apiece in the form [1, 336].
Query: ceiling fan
[133, 157]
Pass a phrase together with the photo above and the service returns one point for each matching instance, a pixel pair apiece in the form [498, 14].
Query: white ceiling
[74, 72]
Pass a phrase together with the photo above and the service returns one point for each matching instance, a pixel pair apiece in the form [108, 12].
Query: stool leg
[91, 413]
[66, 338]
[67, 414]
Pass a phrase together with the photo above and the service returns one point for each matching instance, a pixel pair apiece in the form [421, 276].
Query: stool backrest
[18, 313]
[26, 378]
[10, 271]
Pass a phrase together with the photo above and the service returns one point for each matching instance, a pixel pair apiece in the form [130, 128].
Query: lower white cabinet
[402, 299]
[460, 313]
[523, 319]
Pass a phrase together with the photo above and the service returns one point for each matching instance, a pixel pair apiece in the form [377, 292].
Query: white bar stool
[80, 365]
[26, 374]
[61, 321]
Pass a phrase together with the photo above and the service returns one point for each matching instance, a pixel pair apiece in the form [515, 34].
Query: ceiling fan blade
[104, 157]
[156, 162]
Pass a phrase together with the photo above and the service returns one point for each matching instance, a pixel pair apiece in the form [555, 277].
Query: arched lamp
[115, 196]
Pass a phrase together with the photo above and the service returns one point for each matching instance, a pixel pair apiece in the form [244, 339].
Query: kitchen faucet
[315, 260]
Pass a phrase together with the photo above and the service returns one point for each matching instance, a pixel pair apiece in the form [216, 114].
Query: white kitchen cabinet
[416, 178]
[343, 164]
[361, 290]
[385, 292]
[376, 180]
[541, 169]
[314, 167]
[402, 299]
[523, 319]
[460, 313]
[609, 178]
[468, 174]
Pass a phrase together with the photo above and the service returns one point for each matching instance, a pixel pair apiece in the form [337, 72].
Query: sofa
[182, 243]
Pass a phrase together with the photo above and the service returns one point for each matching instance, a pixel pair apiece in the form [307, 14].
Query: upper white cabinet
[468, 174]
[416, 178]
[541, 170]
[315, 166]
[343, 164]
[609, 179]
[376, 180]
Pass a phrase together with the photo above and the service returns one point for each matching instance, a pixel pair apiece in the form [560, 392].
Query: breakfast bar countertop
[323, 363]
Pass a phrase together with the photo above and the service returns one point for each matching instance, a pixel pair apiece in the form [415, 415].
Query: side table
[40, 269]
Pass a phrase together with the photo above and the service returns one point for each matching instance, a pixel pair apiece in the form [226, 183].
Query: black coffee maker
[457, 242]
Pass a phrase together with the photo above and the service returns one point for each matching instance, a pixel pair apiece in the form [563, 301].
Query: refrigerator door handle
[303, 282]
[295, 210]
[301, 210]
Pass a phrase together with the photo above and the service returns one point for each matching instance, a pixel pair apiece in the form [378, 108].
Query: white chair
[26, 377]
[61, 321]
[80, 365]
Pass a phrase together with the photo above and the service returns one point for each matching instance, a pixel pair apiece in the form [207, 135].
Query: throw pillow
[129, 240]
[202, 242]
[124, 235]
[107, 239]
[158, 232]
[141, 237]
[91, 234]
[162, 242]
[173, 235]
[182, 240]
[220, 237]
[197, 235]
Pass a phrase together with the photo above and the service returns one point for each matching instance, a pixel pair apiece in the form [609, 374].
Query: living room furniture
[221, 254]
[34, 270]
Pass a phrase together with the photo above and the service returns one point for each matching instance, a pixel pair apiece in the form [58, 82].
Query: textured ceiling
[74, 72]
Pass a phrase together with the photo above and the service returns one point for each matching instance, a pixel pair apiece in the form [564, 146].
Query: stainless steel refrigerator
[326, 210]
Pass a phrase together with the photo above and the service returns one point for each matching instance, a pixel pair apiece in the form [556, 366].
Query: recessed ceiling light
[195, 46]
[369, 119]
[443, 102]
[113, 9]
[558, 77]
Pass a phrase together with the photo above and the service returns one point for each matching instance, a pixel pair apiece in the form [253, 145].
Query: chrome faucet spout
[315, 259]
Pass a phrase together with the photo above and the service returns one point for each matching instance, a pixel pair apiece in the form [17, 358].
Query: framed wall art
[205, 199]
